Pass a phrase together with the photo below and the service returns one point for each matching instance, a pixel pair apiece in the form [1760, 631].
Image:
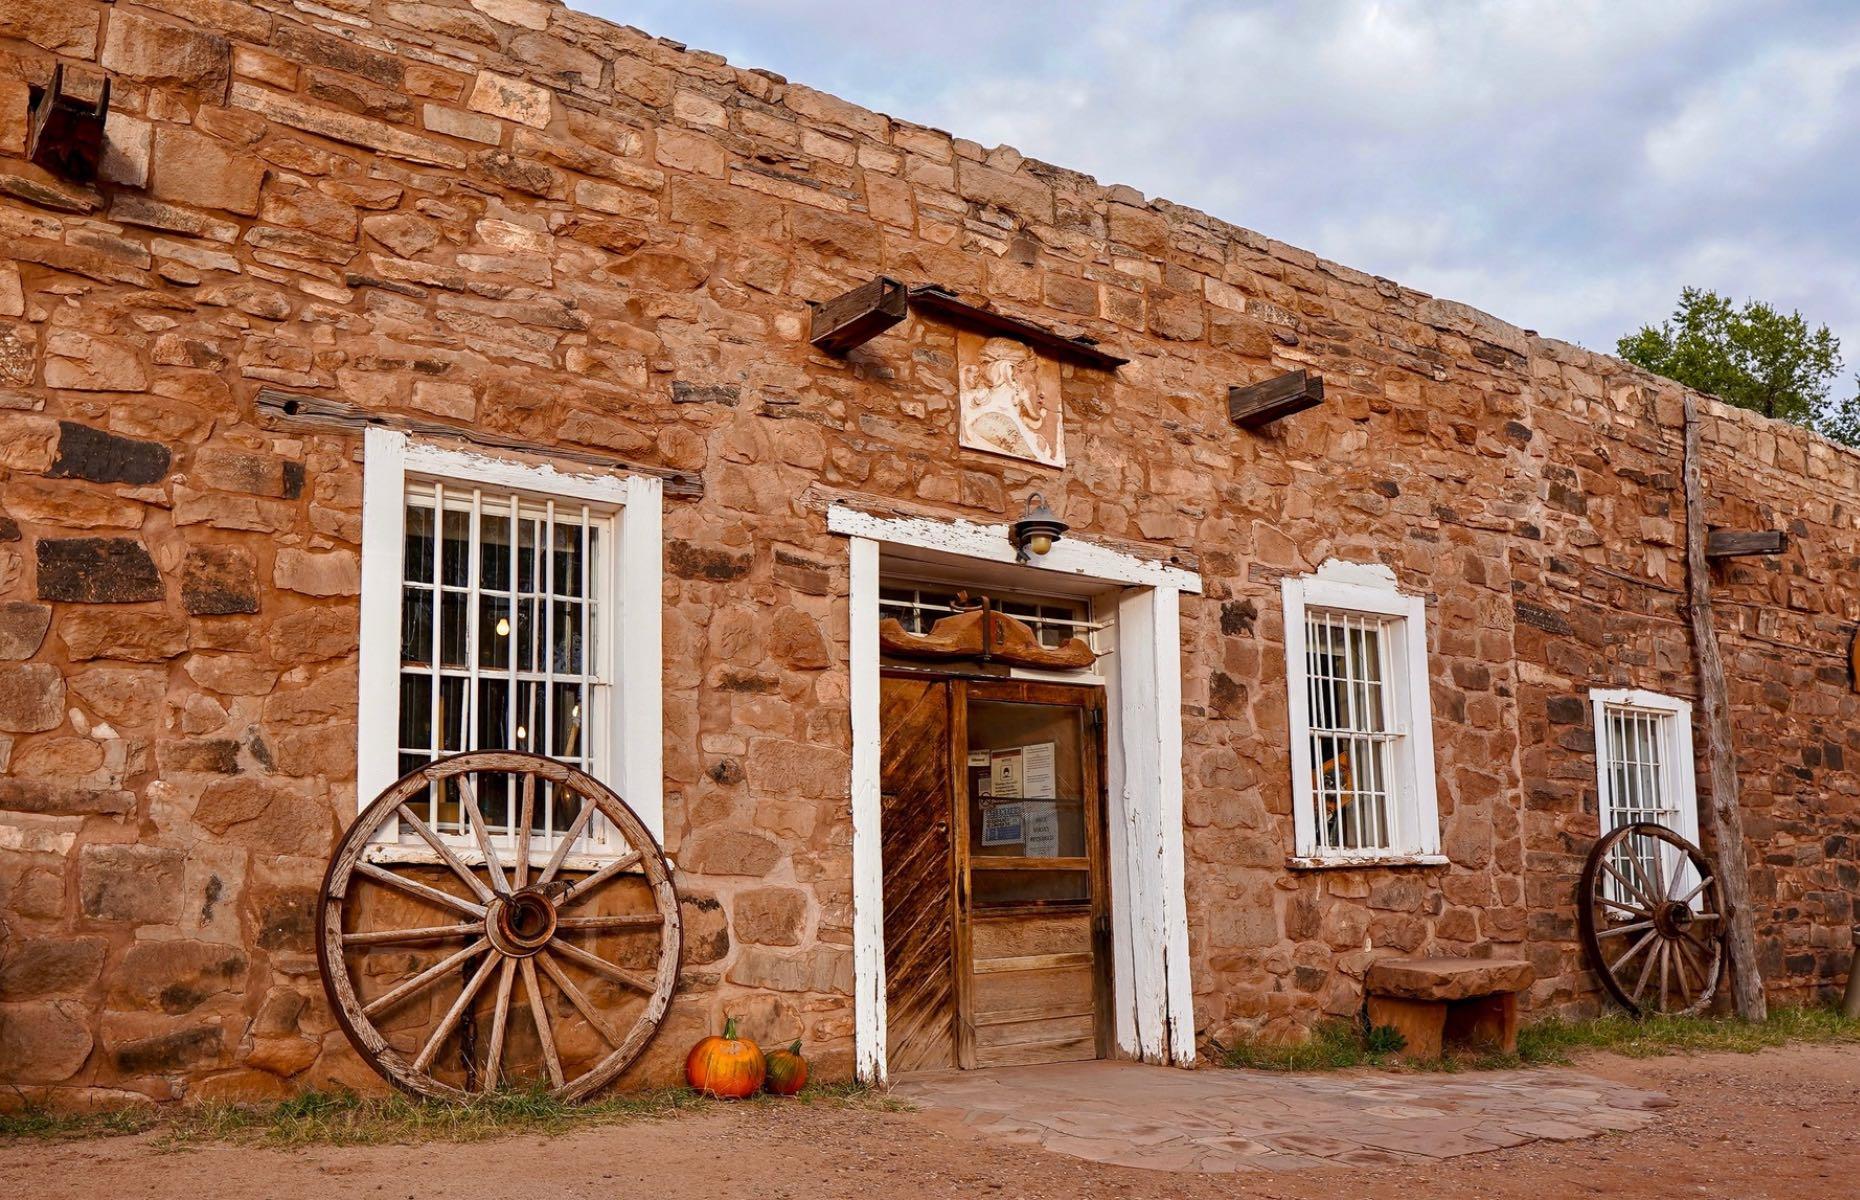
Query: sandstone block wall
[515, 218]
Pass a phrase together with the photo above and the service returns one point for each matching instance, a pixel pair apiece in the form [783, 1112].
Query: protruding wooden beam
[945, 305]
[65, 130]
[1739, 543]
[1259, 404]
[857, 317]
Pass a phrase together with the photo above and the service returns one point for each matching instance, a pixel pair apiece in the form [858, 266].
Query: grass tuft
[348, 1119]
[1342, 1045]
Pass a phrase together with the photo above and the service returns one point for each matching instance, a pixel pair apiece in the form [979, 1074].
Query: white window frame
[1414, 813]
[1676, 745]
[635, 720]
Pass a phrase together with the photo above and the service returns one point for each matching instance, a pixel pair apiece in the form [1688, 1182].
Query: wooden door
[1032, 934]
[920, 985]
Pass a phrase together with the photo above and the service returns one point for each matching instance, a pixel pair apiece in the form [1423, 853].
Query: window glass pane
[417, 556]
[416, 625]
[452, 632]
[567, 634]
[1352, 738]
[416, 710]
[566, 565]
[494, 553]
[494, 632]
[455, 560]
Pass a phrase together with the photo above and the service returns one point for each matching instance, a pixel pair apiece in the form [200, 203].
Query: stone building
[355, 271]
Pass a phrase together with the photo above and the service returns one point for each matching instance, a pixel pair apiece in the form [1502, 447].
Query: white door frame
[1155, 1019]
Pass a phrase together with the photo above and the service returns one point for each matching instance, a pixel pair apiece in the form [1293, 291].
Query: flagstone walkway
[1217, 1120]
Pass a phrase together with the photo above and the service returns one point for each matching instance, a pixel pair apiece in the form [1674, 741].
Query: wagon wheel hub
[521, 924]
[1674, 919]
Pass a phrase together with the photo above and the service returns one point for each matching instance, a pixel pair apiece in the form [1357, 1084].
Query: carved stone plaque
[1010, 399]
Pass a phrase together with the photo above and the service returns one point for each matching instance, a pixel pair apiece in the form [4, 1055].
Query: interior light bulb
[523, 735]
[1040, 543]
[503, 627]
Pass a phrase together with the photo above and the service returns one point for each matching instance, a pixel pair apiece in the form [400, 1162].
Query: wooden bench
[1441, 1003]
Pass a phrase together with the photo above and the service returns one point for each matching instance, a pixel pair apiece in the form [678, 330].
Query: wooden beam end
[855, 318]
[1742, 543]
[1256, 405]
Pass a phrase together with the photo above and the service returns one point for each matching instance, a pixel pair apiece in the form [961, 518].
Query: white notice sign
[1042, 822]
[1037, 775]
[1005, 768]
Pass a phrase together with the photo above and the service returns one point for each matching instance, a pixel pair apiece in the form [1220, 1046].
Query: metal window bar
[567, 657]
[1352, 730]
[1640, 789]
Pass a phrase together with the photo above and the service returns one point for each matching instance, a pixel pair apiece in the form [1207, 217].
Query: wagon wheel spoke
[1647, 939]
[540, 1015]
[581, 890]
[500, 1025]
[450, 1021]
[407, 937]
[614, 971]
[474, 817]
[526, 820]
[1687, 971]
[569, 835]
[1659, 870]
[1700, 886]
[1646, 970]
[445, 852]
[579, 999]
[414, 887]
[1622, 906]
[1633, 888]
[424, 980]
[651, 920]
[1666, 963]
[1618, 930]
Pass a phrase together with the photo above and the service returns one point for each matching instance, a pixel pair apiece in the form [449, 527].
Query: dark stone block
[53, 798]
[9, 529]
[169, 1051]
[86, 453]
[1237, 617]
[699, 562]
[293, 480]
[1567, 710]
[691, 393]
[219, 580]
[96, 570]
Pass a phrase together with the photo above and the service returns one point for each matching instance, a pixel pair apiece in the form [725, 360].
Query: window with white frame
[1361, 717]
[503, 606]
[1644, 773]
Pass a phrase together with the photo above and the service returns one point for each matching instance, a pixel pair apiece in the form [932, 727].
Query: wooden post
[1727, 820]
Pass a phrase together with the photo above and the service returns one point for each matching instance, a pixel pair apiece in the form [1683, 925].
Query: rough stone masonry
[505, 215]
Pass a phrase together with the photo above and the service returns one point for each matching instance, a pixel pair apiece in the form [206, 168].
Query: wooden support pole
[858, 316]
[1727, 819]
[1739, 543]
[1260, 404]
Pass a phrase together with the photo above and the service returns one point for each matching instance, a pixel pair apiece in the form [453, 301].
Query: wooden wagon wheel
[1653, 920]
[479, 925]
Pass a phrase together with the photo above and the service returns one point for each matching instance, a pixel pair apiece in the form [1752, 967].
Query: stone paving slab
[1218, 1121]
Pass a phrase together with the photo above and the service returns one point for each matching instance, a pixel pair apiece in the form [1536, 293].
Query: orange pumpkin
[727, 1067]
[787, 1070]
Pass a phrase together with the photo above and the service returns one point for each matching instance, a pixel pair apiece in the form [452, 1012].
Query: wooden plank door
[1032, 934]
[920, 979]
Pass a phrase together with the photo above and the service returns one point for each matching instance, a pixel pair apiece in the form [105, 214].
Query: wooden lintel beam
[1739, 543]
[1259, 404]
[945, 305]
[287, 410]
[64, 132]
[858, 316]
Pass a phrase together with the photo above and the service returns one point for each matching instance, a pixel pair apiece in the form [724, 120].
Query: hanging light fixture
[1034, 534]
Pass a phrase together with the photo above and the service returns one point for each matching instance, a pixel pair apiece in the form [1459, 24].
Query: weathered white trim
[384, 515]
[869, 1047]
[1683, 772]
[1370, 588]
[991, 543]
[633, 622]
[1152, 998]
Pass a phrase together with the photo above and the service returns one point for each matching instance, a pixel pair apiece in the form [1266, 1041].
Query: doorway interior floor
[1218, 1120]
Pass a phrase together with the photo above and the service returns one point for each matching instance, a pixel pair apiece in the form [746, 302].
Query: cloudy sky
[1565, 164]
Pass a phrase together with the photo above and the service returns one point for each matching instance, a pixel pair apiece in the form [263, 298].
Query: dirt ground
[1781, 1123]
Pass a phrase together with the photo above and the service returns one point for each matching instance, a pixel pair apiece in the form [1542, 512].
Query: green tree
[1754, 357]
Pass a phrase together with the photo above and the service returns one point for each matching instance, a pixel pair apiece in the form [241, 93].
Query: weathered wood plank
[946, 305]
[1727, 820]
[1737, 543]
[1259, 404]
[287, 410]
[858, 316]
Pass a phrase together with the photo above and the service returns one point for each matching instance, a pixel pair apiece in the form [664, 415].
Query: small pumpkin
[787, 1070]
[727, 1067]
